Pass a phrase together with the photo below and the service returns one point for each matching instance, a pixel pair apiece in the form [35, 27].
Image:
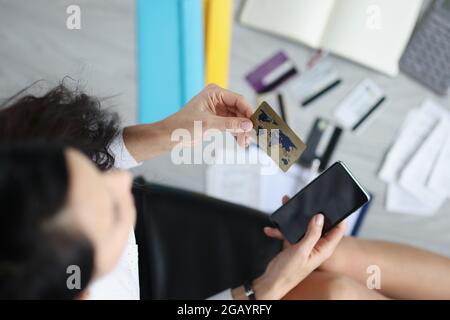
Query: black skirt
[192, 246]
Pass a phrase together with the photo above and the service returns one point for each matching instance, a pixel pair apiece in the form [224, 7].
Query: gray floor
[35, 44]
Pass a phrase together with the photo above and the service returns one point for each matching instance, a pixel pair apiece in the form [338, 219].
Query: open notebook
[371, 32]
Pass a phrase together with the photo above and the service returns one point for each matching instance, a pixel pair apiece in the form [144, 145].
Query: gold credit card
[275, 137]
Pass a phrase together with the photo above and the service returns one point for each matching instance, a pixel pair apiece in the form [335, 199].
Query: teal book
[170, 49]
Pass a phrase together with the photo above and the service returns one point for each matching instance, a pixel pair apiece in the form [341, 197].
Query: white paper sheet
[274, 187]
[417, 126]
[234, 183]
[416, 129]
[400, 201]
[248, 184]
[415, 175]
[358, 103]
[439, 180]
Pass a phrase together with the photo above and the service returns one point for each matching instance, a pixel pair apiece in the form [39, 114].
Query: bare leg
[328, 286]
[406, 272]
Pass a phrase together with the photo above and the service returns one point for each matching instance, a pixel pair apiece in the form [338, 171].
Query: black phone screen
[334, 193]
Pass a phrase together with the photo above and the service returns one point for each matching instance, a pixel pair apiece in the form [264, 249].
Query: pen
[315, 58]
[320, 93]
[281, 105]
[379, 102]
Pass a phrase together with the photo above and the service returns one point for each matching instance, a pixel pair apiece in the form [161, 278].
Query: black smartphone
[335, 193]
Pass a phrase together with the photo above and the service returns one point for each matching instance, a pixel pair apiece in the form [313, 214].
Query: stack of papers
[416, 167]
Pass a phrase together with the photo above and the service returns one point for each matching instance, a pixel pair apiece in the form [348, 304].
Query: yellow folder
[218, 22]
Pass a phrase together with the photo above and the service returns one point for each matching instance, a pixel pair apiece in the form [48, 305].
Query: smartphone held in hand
[335, 193]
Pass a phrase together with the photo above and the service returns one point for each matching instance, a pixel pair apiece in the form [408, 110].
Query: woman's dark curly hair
[63, 116]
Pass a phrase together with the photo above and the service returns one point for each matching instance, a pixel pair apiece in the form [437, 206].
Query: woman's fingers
[233, 124]
[328, 243]
[273, 233]
[234, 100]
[240, 138]
[231, 112]
[313, 244]
[276, 234]
[312, 235]
[337, 231]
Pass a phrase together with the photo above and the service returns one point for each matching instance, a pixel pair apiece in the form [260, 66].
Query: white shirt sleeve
[224, 295]
[123, 158]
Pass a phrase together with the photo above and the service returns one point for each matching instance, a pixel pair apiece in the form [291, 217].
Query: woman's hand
[295, 262]
[216, 108]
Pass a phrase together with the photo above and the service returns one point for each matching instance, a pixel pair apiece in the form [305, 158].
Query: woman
[76, 119]
[51, 194]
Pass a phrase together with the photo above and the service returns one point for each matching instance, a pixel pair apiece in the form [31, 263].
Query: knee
[339, 287]
[337, 262]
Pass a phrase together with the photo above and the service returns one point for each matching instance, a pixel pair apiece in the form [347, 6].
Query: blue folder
[170, 56]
